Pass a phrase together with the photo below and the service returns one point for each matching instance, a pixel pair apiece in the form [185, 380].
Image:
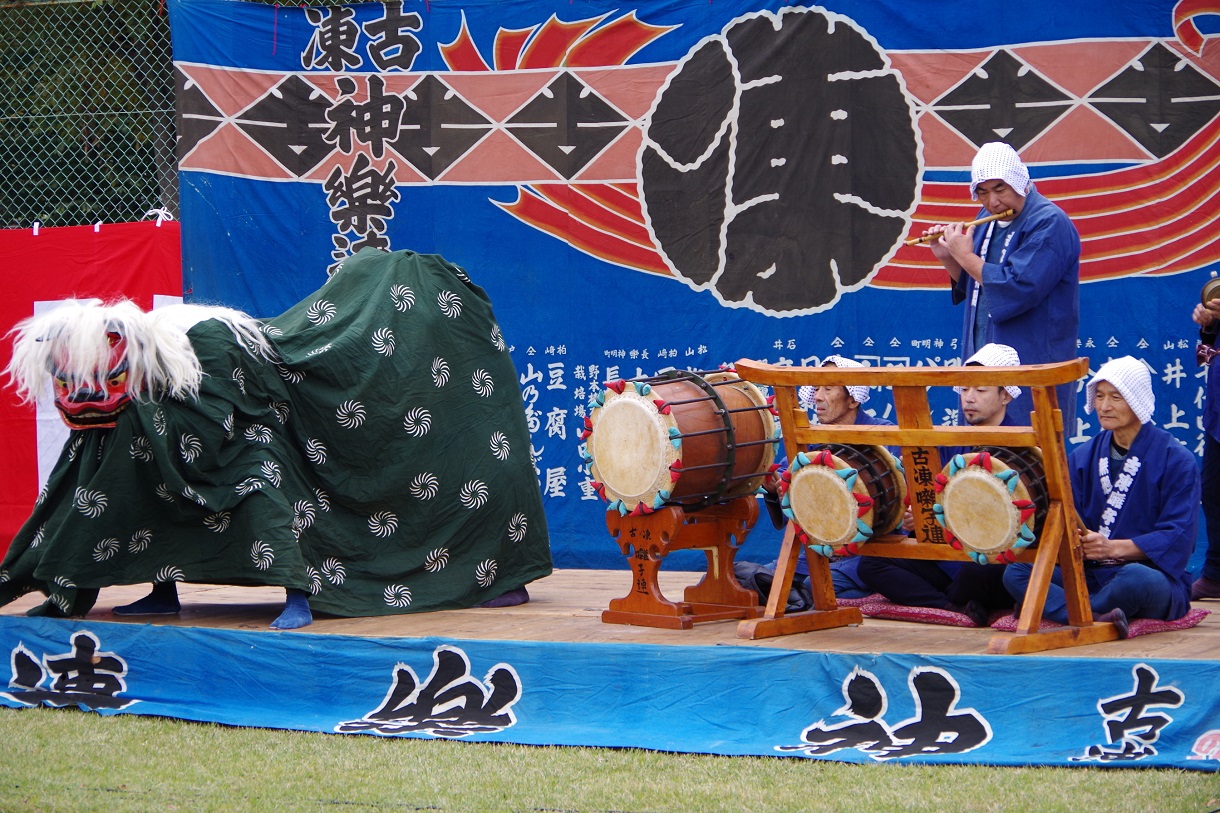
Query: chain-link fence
[86, 112]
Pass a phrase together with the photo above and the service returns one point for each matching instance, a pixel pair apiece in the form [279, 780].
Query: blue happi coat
[1032, 294]
[1154, 503]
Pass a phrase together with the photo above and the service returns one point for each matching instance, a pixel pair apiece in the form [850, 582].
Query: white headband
[1131, 378]
[804, 395]
[996, 161]
[995, 355]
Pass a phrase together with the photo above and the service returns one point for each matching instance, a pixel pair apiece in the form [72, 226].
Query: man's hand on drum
[1206, 315]
[1097, 547]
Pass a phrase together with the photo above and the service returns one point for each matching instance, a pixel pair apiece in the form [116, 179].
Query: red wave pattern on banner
[1157, 218]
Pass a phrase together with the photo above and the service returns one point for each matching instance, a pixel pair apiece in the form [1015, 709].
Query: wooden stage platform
[567, 607]
[550, 672]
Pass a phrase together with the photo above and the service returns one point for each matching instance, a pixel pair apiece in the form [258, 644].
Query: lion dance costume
[369, 447]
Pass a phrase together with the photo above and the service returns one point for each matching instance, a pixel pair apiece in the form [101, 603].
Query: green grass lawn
[67, 760]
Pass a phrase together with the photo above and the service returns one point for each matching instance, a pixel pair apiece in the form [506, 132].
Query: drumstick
[928, 238]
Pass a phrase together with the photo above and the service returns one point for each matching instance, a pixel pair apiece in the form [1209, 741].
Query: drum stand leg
[825, 613]
[646, 540]
[1055, 545]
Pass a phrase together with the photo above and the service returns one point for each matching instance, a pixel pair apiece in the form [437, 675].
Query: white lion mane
[71, 341]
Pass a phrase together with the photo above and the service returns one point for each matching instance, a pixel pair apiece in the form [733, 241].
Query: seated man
[1136, 490]
[963, 587]
[830, 406]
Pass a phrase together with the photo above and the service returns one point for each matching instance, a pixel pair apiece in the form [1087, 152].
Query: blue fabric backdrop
[281, 177]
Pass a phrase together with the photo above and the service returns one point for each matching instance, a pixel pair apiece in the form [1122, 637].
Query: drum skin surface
[991, 502]
[842, 496]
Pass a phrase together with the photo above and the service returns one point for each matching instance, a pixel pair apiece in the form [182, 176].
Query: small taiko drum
[681, 438]
[839, 497]
[992, 501]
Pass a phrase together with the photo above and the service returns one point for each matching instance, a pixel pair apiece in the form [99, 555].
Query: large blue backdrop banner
[684, 183]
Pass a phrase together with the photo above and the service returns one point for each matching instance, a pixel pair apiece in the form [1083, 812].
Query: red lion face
[90, 404]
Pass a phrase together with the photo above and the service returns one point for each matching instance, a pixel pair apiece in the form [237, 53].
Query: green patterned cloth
[383, 465]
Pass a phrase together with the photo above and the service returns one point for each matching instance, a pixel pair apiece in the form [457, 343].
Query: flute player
[1018, 275]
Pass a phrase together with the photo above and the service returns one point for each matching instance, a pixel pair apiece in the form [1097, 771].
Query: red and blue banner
[685, 183]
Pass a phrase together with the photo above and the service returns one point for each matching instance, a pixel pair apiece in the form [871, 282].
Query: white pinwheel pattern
[303, 514]
[317, 351]
[383, 341]
[164, 493]
[315, 581]
[74, 446]
[291, 376]
[320, 312]
[424, 486]
[449, 303]
[169, 573]
[398, 595]
[139, 541]
[499, 446]
[227, 425]
[497, 338]
[281, 411]
[383, 523]
[271, 330]
[190, 447]
[106, 548]
[61, 601]
[417, 422]
[402, 297]
[89, 502]
[350, 414]
[141, 449]
[436, 560]
[473, 494]
[63, 581]
[218, 522]
[194, 496]
[485, 573]
[249, 486]
[36, 540]
[334, 572]
[315, 451]
[323, 499]
[239, 378]
[517, 527]
[271, 471]
[262, 555]
[440, 371]
[258, 433]
[159, 422]
[42, 496]
[482, 383]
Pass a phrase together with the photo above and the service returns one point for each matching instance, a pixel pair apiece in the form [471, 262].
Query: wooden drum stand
[646, 539]
[919, 439]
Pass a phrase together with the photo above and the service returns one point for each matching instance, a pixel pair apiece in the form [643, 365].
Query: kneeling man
[1136, 491]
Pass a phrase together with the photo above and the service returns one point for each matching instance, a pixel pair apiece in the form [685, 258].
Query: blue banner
[734, 700]
[550, 149]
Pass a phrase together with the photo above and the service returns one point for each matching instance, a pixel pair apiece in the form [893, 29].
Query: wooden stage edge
[567, 606]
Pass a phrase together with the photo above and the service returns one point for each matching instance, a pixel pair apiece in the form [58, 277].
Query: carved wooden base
[647, 539]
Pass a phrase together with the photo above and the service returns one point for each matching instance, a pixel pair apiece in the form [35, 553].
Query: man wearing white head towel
[1019, 276]
[836, 406]
[964, 587]
[1136, 490]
